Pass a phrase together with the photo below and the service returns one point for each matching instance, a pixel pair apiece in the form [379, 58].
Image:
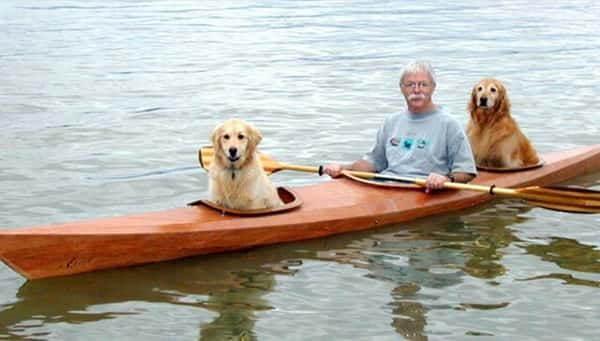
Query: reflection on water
[568, 279]
[568, 254]
[489, 239]
[437, 254]
[237, 306]
[223, 285]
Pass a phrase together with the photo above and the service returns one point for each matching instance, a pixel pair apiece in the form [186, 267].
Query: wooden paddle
[576, 200]
[206, 154]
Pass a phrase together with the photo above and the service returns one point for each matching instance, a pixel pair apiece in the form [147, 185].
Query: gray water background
[103, 105]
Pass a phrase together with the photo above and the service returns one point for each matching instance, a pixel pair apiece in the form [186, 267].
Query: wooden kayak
[331, 207]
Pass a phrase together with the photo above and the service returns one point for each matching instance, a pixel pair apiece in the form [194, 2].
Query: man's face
[417, 89]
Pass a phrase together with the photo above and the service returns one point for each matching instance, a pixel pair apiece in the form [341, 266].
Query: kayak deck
[328, 208]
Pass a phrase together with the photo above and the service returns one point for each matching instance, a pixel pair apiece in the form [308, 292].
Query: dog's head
[235, 143]
[489, 96]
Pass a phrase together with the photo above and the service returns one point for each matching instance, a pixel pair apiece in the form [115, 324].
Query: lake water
[104, 104]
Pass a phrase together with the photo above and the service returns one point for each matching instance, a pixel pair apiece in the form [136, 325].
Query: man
[424, 141]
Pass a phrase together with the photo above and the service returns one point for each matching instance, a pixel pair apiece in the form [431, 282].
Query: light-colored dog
[237, 179]
[495, 137]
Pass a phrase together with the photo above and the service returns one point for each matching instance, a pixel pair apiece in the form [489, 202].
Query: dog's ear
[214, 137]
[502, 105]
[254, 138]
[473, 102]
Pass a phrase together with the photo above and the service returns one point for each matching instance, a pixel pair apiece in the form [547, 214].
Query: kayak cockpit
[512, 169]
[290, 199]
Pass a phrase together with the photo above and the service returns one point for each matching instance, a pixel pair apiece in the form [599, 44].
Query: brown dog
[494, 135]
[237, 179]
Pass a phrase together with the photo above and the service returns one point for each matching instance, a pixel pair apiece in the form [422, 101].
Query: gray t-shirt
[410, 144]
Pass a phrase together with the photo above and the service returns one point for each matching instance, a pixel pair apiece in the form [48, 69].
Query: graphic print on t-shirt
[408, 143]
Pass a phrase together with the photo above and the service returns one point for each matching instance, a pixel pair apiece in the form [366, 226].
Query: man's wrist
[451, 178]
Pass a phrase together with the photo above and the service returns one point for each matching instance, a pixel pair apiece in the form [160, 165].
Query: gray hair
[419, 66]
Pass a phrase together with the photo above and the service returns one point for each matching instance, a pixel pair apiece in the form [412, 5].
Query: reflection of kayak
[327, 208]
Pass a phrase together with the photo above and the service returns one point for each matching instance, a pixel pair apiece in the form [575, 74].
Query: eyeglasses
[414, 85]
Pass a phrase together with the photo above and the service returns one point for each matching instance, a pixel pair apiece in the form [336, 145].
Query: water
[103, 105]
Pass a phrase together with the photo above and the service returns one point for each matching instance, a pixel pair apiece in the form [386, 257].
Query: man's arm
[362, 166]
[461, 177]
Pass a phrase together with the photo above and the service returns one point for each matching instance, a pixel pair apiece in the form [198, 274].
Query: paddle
[576, 200]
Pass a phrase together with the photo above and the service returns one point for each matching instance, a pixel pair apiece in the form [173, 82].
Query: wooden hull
[332, 207]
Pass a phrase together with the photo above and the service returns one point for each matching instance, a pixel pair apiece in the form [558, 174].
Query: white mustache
[415, 96]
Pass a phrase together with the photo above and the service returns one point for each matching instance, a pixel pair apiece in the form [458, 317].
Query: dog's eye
[226, 136]
[493, 89]
[240, 137]
[479, 88]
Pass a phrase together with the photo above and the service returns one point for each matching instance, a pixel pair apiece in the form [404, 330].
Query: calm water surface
[103, 105]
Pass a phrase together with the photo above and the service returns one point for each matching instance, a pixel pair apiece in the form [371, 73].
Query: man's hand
[435, 182]
[333, 170]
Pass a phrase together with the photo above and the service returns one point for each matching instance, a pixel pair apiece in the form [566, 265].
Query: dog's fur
[237, 179]
[495, 137]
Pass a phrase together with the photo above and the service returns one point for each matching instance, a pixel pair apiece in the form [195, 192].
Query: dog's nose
[483, 102]
[232, 151]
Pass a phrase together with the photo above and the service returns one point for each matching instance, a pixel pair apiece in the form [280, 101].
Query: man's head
[418, 84]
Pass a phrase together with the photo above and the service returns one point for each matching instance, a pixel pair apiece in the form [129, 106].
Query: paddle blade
[566, 192]
[206, 156]
[568, 199]
[565, 207]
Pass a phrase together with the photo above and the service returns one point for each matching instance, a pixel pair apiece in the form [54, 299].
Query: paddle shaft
[543, 195]
[547, 196]
[298, 168]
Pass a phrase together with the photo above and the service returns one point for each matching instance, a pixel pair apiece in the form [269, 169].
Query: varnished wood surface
[332, 207]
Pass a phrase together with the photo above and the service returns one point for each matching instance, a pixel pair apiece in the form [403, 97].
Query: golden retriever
[237, 179]
[495, 137]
